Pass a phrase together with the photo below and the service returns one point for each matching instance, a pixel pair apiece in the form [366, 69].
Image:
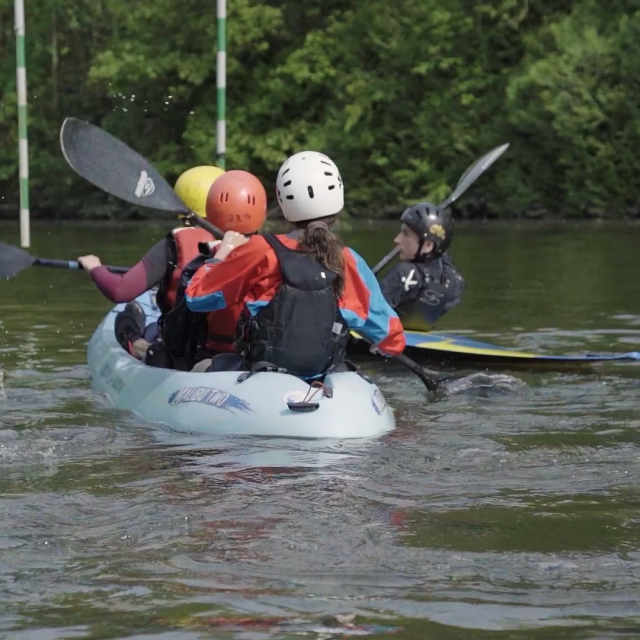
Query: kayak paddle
[116, 168]
[468, 178]
[13, 260]
[429, 379]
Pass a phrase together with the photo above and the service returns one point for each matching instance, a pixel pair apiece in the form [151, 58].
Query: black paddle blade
[115, 168]
[13, 260]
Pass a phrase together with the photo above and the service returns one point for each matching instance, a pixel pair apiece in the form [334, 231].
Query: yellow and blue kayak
[449, 347]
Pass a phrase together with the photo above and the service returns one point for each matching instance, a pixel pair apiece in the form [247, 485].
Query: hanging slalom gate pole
[23, 148]
[221, 83]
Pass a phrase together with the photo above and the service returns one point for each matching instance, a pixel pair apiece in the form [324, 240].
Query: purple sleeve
[144, 275]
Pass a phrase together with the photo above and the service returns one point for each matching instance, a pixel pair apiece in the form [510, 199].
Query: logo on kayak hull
[211, 397]
[378, 402]
[111, 378]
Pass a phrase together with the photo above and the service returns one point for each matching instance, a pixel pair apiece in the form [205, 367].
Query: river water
[490, 514]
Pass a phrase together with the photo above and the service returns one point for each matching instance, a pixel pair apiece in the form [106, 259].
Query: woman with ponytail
[303, 291]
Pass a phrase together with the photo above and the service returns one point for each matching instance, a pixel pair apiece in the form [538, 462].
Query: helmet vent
[289, 197]
[332, 186]
[287, 183]
[284, 173]
[310, 190]
[328, 173]
[325, 162]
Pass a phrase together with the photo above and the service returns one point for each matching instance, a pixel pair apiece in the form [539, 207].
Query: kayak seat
[226, 362]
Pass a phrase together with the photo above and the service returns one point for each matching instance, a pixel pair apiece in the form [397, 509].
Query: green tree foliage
[574, 109]
[403, 95]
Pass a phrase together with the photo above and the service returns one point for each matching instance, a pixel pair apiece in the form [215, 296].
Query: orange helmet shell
[237, 201]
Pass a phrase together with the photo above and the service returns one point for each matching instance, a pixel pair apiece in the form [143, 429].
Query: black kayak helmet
[429, 222]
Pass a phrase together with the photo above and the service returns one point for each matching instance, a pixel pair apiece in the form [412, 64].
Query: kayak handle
[303, 406]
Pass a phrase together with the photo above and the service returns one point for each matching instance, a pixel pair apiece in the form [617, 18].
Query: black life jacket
[301, 330]
[185, 332]
[439, 287]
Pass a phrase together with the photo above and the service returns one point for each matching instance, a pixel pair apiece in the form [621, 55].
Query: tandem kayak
[217, 403]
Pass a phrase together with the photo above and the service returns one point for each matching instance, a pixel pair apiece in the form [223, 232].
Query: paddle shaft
[386, 260]
[429, 378]
[71, 264]
[203, 223]
[429, 381]
[74, 264]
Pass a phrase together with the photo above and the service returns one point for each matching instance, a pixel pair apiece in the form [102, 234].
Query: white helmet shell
[309, 186]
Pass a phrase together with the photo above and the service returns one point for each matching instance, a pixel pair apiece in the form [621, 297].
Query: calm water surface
[493, 515]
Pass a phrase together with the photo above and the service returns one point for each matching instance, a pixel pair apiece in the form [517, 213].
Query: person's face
[407, 241]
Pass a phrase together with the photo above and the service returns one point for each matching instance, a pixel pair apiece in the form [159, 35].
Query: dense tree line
[404, 95]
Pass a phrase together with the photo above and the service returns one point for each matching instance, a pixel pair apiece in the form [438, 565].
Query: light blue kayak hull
[216, 403]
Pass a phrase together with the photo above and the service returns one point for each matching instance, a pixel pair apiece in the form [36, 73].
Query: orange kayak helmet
[237, 201]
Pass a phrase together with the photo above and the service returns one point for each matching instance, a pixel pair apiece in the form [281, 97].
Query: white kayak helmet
[309, 186]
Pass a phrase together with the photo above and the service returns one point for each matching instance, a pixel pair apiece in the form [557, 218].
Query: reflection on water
[487, 515]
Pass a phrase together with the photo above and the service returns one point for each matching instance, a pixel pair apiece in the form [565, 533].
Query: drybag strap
[259, 367]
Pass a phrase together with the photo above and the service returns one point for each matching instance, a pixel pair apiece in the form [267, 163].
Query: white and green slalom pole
[221, 83]
[23, 148]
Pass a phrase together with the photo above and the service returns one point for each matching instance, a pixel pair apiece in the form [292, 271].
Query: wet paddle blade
[13, 260]
[474, 172]
[111, 165]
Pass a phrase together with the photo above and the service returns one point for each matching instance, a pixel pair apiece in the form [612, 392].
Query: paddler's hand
[230, 241]
[89, 262]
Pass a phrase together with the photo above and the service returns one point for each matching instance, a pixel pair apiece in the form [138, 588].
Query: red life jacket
[186, 240]
[221, 324]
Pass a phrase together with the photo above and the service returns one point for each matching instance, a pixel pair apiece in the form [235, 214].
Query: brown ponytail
[319, 241]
